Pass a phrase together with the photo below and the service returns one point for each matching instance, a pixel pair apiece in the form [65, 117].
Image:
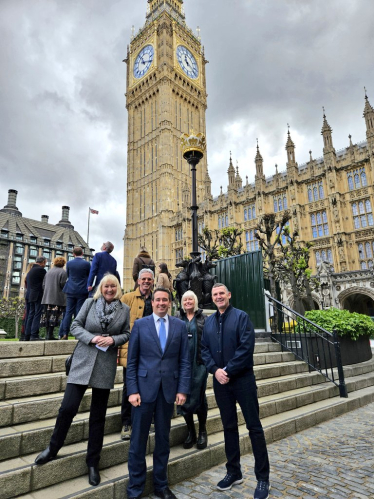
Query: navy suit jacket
[102, 263]
[77, 271]
[148, 368]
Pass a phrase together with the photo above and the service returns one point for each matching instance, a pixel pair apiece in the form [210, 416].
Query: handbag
[69, 359]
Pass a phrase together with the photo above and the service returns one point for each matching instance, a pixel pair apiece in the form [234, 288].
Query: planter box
[352, 352]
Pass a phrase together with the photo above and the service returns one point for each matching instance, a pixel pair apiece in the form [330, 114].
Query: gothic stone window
[283, 237]
[223, 220]
[357, 179]
[324, 256]
[362, 214]
[178, 234]
[280, 202]
[178, 255]
[249, 212]
[315, 191]
[320, 226]
[201, 227]
[250, 240]
[365, 255]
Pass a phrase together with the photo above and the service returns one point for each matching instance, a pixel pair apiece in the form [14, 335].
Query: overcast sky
[63, 127]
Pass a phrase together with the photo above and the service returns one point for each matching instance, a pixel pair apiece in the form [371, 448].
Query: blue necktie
[162, 333]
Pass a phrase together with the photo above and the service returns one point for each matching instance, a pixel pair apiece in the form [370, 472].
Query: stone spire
[208, 185]
[290, 148]
[238, 178]
[259, 163]
[231, 174]
[369, 121]
[326, 132]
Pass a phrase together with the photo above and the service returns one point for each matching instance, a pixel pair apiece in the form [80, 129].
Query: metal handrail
[309, 342]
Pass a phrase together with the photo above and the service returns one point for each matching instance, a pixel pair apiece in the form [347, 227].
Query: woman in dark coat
[196, 402]
[54, 300]
[102, 325]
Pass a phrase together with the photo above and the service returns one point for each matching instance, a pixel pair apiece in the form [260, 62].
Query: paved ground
[334, 460]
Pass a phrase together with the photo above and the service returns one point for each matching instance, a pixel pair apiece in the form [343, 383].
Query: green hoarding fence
[243, 275]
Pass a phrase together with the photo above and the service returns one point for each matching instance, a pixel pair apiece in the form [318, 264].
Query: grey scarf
[106, 311]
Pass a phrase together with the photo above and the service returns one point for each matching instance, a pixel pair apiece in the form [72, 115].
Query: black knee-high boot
[202, 440]
[191, 437]
[49, 335]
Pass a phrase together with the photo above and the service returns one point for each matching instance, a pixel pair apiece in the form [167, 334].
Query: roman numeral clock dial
[187, 62]
[143, 61]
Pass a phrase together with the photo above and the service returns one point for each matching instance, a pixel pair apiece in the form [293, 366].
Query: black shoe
[93, 476]
[22, 338]
[190, 440]
[202, 441]
[229, 481]
[165, 493]
[36, 339]
[45, 457]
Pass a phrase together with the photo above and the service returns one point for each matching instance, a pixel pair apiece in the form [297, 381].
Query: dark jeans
[141, 422]
[33, 319]
[244, 391]
[73, 305]
[126, 406]
[69, 408]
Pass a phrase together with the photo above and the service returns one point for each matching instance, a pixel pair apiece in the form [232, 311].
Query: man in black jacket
[227, 350]
[34, 297]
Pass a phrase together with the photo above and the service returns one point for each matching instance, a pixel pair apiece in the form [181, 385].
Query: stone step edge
[214, 454]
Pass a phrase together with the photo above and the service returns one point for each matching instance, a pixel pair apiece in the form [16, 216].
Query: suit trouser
[141, 422]
[68, 410]
[73, 305]
[244, 391]
[33, 319]
[126, 407]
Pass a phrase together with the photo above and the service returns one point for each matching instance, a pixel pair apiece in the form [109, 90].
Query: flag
[94, 212]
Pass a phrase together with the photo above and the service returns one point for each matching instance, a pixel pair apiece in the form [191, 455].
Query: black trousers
[244, 391]
[126, 406]
[68, 410]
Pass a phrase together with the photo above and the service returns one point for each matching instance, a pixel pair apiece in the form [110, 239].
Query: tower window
[250, 240]
[249, 212]
[315, 191]
[324, 256]
[320, 226]
[280, 202]
[362, 214]
[365, 255]
[357, 179]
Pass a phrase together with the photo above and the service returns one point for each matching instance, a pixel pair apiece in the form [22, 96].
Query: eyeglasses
[146, 279]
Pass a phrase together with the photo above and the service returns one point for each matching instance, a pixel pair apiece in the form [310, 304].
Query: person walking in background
[26, 311]
[164, 278]
[196, 402]
[142, 261]
[102, 263]
[34, 294]
[54, 299]
[77, 271]
[140, 303]
[227, 350]
[158, 374]
[102, 325]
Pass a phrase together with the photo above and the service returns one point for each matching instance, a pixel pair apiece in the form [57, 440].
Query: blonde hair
[108, 278]
[190, 294]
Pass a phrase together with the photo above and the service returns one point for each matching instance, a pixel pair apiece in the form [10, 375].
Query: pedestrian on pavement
[102, 325]
[34, 295]
[75, 289]
[227, 350]
[54, 299]
[102, 263]
[142, 261]
[140, 303]
[158, 374]
[196, 402]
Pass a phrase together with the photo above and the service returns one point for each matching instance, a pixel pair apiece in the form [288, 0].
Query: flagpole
[88, 227]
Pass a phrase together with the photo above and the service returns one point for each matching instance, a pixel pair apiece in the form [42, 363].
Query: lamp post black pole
[193, 158]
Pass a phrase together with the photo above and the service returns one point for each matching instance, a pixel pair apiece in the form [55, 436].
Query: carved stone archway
[348, 299]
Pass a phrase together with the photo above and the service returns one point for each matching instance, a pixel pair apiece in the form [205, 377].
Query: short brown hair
[59, 261]
[164, 290]
[78, 251]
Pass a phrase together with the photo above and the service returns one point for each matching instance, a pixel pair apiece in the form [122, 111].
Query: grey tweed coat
[91, 366]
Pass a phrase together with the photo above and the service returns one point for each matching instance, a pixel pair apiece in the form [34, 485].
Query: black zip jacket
[228, 342]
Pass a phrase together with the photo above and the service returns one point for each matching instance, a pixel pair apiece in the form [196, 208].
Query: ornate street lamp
[193, 149]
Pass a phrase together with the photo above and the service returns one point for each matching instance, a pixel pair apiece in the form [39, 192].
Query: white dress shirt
[156, 318]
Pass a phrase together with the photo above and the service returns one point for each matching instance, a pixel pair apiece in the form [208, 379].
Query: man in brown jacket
[142, 261]
[140, 305]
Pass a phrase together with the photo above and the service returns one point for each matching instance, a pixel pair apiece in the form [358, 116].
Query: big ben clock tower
[166, 96]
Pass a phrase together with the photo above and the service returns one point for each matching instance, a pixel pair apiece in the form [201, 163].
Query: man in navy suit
[34, 297]
[75, 288]
[102, 263]
[158, 374]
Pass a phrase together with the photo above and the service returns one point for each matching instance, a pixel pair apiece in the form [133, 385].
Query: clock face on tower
[143, 61]
[187, 62]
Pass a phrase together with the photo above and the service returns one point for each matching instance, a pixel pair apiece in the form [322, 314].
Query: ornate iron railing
[309, 342]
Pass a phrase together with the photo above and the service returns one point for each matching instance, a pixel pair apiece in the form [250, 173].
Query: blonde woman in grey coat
[102, 325]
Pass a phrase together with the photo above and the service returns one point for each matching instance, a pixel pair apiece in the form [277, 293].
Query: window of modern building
[362, 214]
[4, 233]
[315, 191]
[19, 236]
[70, 257]
[324, 256]
[249, 212]
[16, 277]
[19, 249]
[59, 253]
[17, 262]
[58, 244]
[320, 226]
[365, 255]
[33, 251]
[250, 240]
[357, 179]
[32, 239]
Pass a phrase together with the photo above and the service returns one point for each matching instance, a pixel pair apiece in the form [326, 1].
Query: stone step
[17, 411]
[15, 350]
[32, 437]
[183, 464]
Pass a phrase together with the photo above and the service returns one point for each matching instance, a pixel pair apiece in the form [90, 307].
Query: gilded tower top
[174, 7]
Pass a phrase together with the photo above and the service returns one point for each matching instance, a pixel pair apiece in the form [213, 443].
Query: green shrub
[345, 323]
